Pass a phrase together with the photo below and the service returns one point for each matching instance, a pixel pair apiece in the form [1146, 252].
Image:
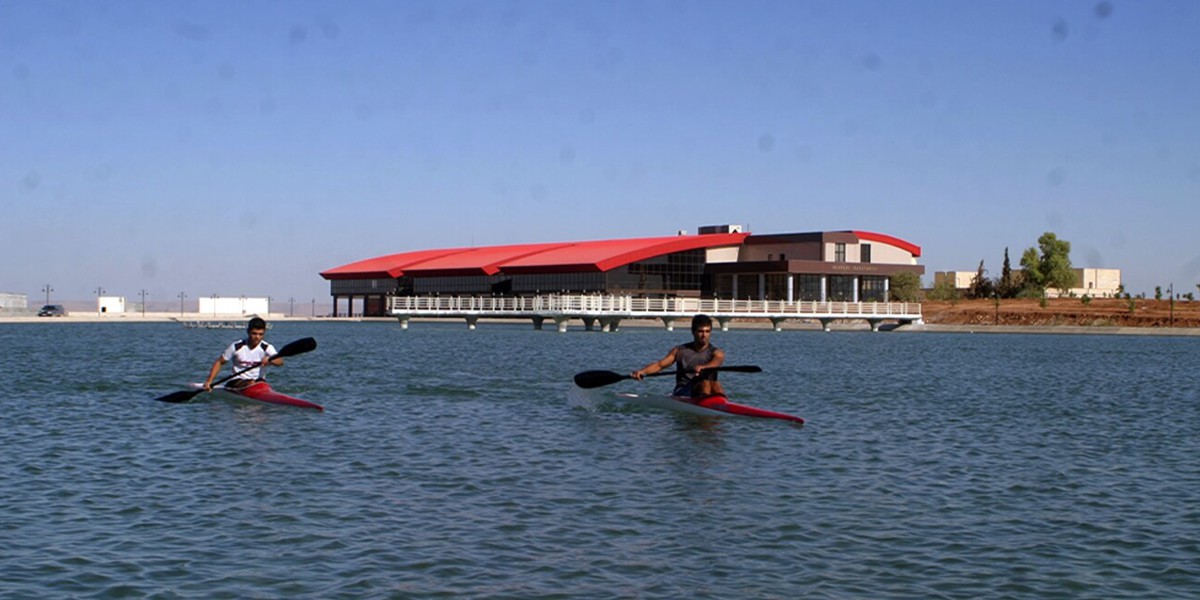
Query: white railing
[628, 306]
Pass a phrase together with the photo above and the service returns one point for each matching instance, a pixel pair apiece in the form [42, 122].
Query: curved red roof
[384, 267]
[871, 236]
[560, 257]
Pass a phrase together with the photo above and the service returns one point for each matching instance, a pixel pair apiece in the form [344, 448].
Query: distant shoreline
[161, 317]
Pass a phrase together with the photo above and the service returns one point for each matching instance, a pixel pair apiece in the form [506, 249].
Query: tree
[944, 290]
[1031, 273]
[1007, 286]
[905, 287]
[1051, 268]
[981, 286]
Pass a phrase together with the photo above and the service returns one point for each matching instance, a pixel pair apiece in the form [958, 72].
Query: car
[52, 310]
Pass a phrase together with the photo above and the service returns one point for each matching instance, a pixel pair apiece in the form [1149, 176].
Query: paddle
[297, 347]
[594, 379]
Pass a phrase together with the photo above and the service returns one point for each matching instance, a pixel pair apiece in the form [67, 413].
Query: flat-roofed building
[1097, 283]
[722, 261]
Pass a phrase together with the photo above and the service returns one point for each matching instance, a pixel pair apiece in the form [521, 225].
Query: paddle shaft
[595, 379]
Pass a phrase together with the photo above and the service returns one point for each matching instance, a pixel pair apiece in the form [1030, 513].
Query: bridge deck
[609, 310]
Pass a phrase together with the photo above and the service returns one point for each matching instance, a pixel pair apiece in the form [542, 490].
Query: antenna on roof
[681, 232]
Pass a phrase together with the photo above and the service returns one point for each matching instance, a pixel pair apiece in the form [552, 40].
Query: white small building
[241, 306]
[13, 301]
[107, 305]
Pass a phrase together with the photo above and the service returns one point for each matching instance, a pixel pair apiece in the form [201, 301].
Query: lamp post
[182, 295]
[214, 299]
[314, 308]
[291, 307]
[99, 292]
[47, 289]
[143, 293]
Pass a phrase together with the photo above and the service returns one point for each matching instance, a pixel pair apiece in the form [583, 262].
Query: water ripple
[938, 467]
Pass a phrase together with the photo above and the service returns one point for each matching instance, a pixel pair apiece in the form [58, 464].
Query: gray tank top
[686, 361]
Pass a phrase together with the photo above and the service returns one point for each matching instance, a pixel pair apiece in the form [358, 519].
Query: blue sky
[239, 148]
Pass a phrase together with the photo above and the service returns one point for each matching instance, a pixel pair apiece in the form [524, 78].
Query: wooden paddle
[297, 347]
[594, 379]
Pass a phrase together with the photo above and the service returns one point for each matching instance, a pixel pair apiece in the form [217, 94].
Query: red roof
[485, 260]
[606, 255]
[909, 247]
[560, 257]
[385, 267]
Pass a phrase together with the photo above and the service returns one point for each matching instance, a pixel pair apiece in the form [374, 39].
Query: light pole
[214, 299]
[47, 289]
[182, 295]
[143, 292]
[99, 292]
[314, 308]
[291, 307]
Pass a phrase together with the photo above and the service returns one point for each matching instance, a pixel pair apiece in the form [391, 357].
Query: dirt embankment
[1100, 312]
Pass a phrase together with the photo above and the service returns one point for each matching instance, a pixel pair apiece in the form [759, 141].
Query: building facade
[720, 262]
[1096, 283]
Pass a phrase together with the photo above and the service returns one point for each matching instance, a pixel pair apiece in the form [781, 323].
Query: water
[451, 464]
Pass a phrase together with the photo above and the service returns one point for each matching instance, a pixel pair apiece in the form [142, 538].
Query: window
[839, 252]
[864, 253]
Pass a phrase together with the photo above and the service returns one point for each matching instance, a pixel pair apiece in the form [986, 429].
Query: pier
[607, 311]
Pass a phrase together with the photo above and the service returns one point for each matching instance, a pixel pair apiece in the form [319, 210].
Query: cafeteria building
[720, 261]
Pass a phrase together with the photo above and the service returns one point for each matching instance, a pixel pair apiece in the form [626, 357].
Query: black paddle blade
[297, 347]
[741, 369]
[178, 397]
[594, 379]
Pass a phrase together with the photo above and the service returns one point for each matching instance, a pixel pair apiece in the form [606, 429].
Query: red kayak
[261, 392]
[708, 406]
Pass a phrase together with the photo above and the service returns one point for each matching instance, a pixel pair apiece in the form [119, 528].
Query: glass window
[864, 253]
[839, 252]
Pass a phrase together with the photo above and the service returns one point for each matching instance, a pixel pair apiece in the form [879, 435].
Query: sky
[241, 148]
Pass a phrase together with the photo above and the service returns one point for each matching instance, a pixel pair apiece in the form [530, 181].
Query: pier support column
[610, 324]
[403, 322]
[723, 323]
[778, 323]
[561, 322]
[874, 324]
[589, 323]
[669, 323]
[471, 321]
[537, 323]
[825, 323]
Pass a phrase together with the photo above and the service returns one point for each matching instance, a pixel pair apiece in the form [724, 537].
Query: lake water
[454, 464]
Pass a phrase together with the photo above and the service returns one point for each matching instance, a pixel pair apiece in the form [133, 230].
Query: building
[1097, 283]
[110, 305]
[13, 302]
[720, 262]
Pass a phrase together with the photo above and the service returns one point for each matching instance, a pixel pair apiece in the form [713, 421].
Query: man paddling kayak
[245, 354]
[691, 360]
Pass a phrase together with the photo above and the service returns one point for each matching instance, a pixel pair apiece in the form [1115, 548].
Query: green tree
[1051, 268]
[944, 290]
[1008, 286]
[904, 287]
[981, 286]
[1033, 283]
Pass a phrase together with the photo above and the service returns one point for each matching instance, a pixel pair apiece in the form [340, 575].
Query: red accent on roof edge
[909, 247]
